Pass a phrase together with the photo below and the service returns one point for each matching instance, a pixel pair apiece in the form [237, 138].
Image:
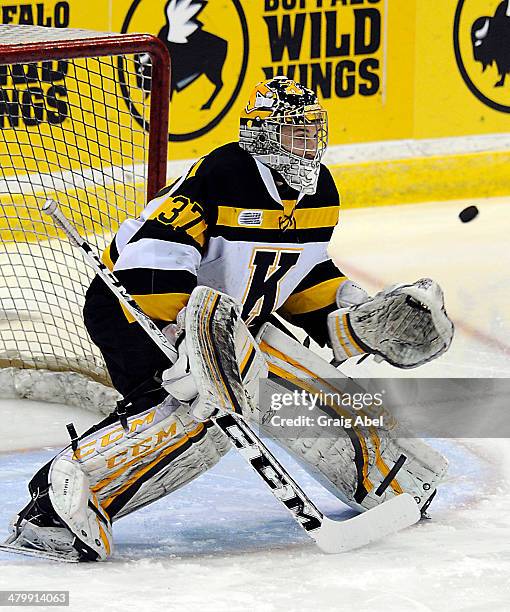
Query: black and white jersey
[224, 224]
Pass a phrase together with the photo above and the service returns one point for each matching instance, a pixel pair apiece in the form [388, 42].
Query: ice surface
[224, 540]
[223, 543]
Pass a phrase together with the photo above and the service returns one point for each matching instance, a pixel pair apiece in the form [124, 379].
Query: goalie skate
[41, 554]
[46, 542]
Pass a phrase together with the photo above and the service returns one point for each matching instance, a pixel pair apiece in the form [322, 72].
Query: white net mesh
[66, 132]
[12, 35]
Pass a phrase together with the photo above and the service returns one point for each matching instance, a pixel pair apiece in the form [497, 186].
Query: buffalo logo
[193, 50]
[491, 41]
[482, 49]
[208, 44]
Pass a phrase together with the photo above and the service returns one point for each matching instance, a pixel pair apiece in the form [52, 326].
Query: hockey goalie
[240, 237]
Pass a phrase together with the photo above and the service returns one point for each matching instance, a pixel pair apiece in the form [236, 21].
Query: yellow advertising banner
[462, 63]
[384, 69]
[340, 48]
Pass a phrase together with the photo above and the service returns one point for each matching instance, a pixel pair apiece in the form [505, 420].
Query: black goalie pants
[131, 356]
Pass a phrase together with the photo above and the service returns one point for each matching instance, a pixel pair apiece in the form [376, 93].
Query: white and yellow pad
[111, 471]
[224, 358]
[64, 519]
[363, 466]
[79, 507]
[162, 449]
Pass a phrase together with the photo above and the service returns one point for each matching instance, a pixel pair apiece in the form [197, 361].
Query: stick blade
[387, 518]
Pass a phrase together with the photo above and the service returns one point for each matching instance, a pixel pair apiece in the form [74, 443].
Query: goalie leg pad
[359, 466]
[163, 449]
[78, 507]
[225, 360]
[363, 466]
[112, 472]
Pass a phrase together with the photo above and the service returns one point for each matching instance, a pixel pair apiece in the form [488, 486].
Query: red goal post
[83, 120]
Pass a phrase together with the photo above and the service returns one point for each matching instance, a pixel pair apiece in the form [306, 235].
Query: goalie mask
[284, 127]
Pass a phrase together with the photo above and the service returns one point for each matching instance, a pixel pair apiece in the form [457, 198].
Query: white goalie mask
[285, 128]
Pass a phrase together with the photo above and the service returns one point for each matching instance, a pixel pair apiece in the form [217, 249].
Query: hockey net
[84, 121]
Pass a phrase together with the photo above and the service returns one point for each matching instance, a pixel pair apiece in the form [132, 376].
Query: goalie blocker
[114, 469]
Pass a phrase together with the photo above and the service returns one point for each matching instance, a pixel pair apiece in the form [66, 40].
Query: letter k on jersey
[268, 268]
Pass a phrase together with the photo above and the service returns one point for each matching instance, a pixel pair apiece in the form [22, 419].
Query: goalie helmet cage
[84, 121]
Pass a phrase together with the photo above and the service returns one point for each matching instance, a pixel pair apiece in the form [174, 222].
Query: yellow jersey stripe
[288, 206]
[195, 167]
[314, 298]
[306, 218]
[107, 259]
[159, 306]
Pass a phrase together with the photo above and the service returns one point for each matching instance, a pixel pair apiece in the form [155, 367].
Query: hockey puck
[468, 214]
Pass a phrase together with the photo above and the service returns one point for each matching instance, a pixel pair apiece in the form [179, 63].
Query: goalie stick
[330, 535]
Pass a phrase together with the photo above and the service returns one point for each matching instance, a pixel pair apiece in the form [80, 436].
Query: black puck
[468, 214]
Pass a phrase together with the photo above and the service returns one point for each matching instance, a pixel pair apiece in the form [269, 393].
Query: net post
[159, 118]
